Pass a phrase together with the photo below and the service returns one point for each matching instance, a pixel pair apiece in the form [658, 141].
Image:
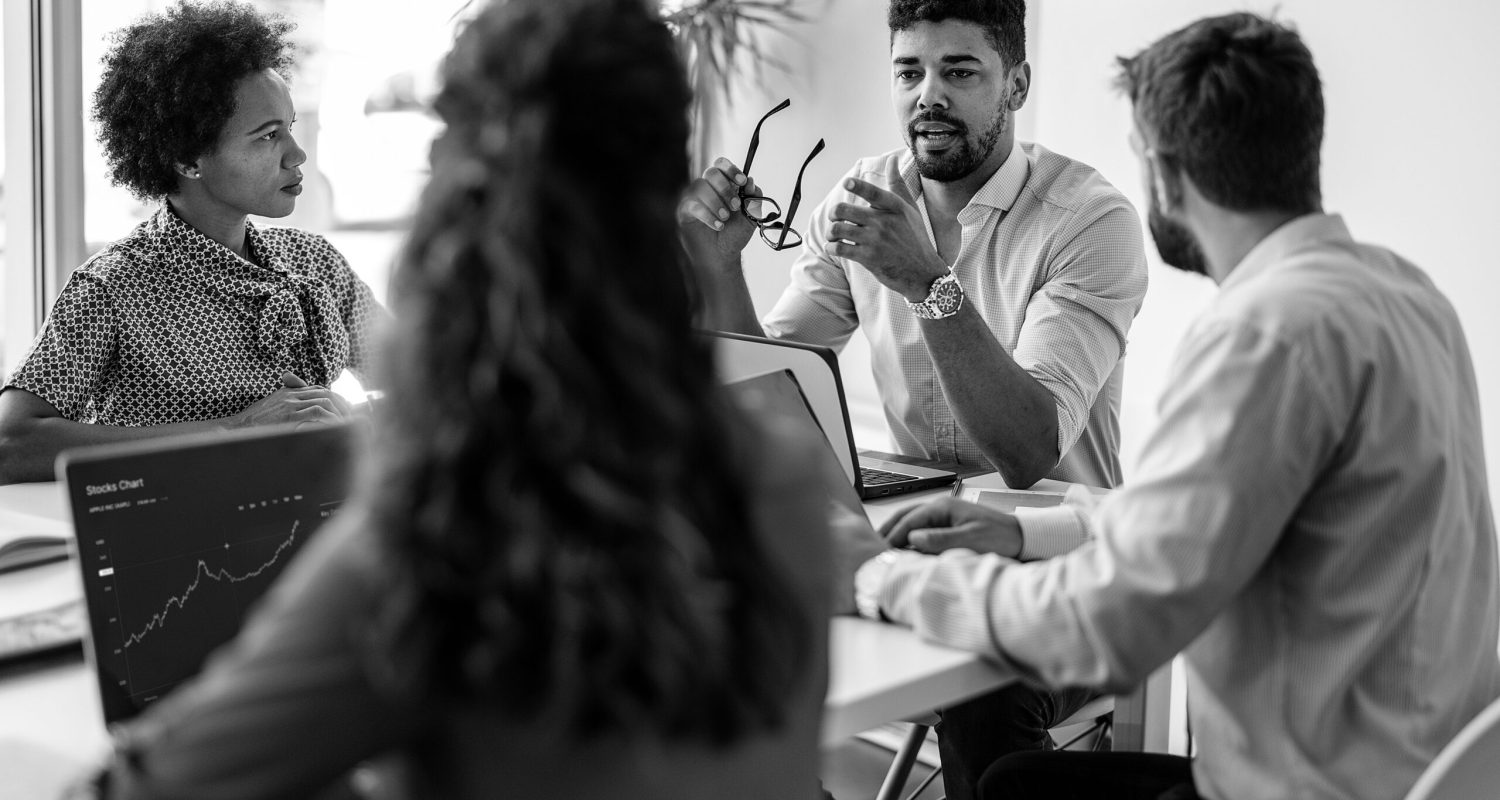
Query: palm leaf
[720, 41]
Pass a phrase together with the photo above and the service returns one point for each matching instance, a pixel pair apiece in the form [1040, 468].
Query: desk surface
[42, 506]
[878, 672]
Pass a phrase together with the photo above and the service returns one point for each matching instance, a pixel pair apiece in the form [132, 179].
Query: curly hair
[168, 86]
[1236, 102]
[558, 481]
[1003, 21]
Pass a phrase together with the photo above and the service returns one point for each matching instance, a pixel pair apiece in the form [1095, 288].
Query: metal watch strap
[867, 582]
[944, 298]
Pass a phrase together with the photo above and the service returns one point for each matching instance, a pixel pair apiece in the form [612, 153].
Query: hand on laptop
[296, 401]
[947, 523]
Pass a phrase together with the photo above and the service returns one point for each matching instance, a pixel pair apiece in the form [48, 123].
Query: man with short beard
[995, 281]
[1310, 523]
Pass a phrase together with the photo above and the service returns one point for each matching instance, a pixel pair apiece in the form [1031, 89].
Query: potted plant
[721, 41]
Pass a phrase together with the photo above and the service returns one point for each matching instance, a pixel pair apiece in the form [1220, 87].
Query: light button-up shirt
[1052, 259]
[1311, 527]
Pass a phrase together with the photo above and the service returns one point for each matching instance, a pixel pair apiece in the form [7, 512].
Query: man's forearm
[727, 299]
[1009, 414]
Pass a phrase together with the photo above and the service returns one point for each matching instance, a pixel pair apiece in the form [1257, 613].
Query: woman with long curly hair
[198, 320]
[576, 568]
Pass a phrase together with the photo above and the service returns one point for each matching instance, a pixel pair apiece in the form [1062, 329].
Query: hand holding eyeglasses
[730, 207]
[710, 217]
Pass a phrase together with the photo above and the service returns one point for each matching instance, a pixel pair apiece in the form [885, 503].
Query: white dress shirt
[1051, 256]
[1311, 528]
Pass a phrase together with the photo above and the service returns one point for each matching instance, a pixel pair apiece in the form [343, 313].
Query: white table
[51, 725]
[880, 672]
[35, 508]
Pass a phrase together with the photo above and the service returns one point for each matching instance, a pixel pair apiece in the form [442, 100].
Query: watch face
[947, 297]
[943, 300]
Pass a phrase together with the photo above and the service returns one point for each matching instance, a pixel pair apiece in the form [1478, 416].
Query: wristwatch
[868, 580]
[944, 298]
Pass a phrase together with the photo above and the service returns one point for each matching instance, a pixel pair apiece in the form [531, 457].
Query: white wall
[1410, 155]
[835, 76]
[1410, 152]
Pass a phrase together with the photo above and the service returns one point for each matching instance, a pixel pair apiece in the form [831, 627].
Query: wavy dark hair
[558, 482]
[168, 86]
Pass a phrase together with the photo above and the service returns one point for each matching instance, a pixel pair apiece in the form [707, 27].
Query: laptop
[816, 371]
[178, 537]
[777, 393]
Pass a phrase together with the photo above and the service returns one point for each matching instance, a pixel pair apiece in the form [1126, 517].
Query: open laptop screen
[177, 538]
[778, 394]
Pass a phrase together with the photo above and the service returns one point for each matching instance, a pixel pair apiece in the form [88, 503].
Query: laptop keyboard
[874, 477]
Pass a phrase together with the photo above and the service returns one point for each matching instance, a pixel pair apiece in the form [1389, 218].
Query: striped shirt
[1051, 257]
[1311, 528]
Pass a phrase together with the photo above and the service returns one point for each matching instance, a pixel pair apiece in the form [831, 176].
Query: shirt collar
[1296, 234]
[999, 192]
[175, 230]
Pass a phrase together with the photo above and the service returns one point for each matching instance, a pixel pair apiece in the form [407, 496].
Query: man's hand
[887, 237]
[295, 401]
[710, 219]
[948, 523]
[854, 543]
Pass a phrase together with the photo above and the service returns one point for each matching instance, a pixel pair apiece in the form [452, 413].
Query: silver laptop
[177, 538]
[816, 371]
[778, 393]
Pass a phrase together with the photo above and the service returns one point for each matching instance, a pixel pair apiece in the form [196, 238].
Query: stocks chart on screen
[177, 541]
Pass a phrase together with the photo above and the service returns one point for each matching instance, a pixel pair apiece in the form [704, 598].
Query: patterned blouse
[167, 325]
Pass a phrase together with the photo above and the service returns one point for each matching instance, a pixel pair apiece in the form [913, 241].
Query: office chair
[1468, 768]
[1098, 714]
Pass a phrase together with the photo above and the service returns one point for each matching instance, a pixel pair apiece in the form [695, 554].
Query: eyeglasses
[775, 230]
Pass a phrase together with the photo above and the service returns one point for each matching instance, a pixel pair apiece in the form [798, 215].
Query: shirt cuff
[1048, 532]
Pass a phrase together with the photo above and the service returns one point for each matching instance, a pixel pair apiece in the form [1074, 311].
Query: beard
[967, 153]
[1175, 243]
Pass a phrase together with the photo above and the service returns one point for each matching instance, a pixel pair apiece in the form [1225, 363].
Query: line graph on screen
[220, 575]
[177, 600]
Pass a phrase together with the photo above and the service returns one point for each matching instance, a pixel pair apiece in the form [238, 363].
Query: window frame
[43, 163]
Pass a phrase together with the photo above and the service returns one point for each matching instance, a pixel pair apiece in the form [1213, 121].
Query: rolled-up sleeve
[817, 307]
[1078, 320]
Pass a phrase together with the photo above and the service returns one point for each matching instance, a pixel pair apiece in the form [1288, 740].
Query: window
[4, 367]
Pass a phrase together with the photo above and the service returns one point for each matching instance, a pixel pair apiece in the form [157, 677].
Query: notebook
[177, 538]
[816, 372]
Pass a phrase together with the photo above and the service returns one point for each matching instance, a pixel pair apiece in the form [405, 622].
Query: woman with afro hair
[198, 320]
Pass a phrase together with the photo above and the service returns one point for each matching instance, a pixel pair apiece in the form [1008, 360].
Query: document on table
[21, 550]
[1011, 499]
[41, 608]
[41, 596]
